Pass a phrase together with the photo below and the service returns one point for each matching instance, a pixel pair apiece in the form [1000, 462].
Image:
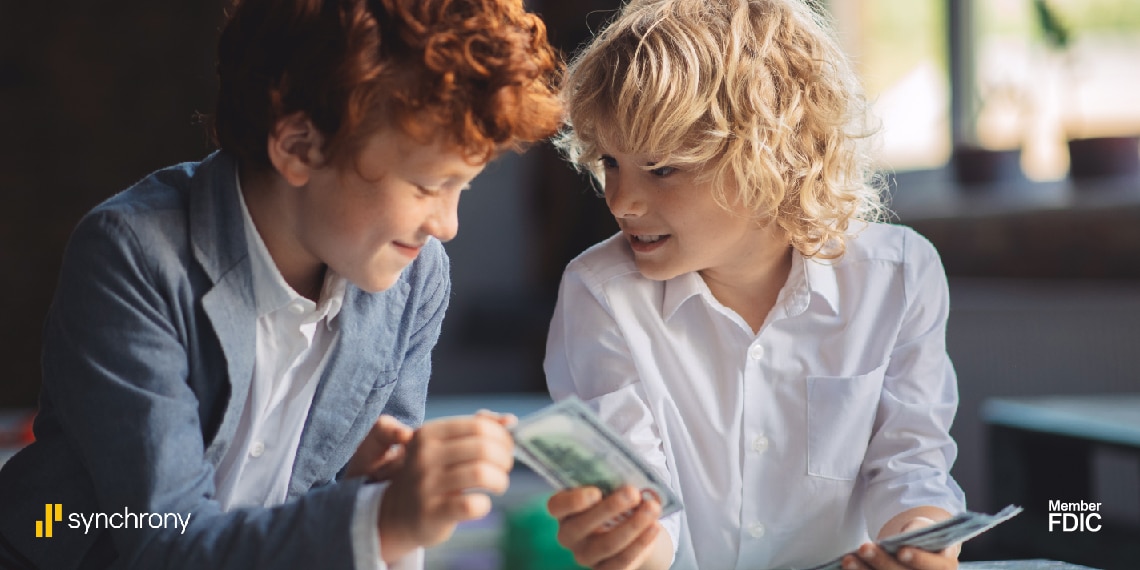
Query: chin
[656, 272]
[378, 283]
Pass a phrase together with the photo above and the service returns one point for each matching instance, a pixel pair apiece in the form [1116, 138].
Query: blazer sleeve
[115, 374]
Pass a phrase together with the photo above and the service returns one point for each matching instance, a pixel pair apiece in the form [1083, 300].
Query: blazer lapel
[218, 238]
[356, 383]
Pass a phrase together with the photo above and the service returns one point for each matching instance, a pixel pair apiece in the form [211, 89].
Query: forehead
[393, 150]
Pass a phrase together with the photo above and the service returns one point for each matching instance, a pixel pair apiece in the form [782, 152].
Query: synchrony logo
[53, 513]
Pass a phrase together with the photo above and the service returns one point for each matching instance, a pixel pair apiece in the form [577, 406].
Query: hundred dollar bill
[569, 446]
[940, 535]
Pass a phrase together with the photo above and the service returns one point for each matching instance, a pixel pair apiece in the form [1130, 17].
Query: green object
[1055, 31]
[530, 539]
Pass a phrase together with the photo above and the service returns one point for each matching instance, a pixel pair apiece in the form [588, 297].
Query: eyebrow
[649, 164]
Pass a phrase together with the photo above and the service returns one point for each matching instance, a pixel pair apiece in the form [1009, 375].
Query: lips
[409, 250]
[645, 243]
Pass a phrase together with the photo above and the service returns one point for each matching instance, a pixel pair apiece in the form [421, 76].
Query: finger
[576, 528]
[572, 501]
[385, 435]
[463, 506]
[470, 476]
[635, 553]
[852, 562]
[463, 426]
[916, 523]
[618, 543]
[387, 466]
[952, 551]
[450, 452]
[505, 420]
[918, 559]
[876, 558]
[391, 430]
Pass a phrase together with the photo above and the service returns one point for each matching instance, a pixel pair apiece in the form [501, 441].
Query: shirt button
[296, 308]
[256, 449]
[756, 352]
[760, 444]
[756, 530]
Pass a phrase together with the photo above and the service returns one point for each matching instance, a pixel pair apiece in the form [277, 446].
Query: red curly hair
[481, 73]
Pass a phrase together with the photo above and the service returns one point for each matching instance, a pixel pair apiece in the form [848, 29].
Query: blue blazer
[147, 360]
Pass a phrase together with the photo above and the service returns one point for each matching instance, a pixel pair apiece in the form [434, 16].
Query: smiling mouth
[646, 243]
[407, 248]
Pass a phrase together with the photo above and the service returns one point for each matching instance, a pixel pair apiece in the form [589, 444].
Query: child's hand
[449, 466]
[382, 452]
[615, 533]
[873, 557]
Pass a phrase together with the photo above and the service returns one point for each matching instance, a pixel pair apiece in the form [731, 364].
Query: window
[1020, 87]
[899, 48]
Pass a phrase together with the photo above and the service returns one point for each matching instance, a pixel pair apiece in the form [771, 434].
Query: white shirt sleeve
[365, 539]
[587, 356]
[908, 459]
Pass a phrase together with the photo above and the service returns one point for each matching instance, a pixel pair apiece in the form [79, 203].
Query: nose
[443, 222]
[625, 198]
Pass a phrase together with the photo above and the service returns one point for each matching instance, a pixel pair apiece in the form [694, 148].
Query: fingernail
[850, 565]
[867, 552]
[906, 556]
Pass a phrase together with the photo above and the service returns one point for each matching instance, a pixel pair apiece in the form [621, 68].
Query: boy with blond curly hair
[756, 333]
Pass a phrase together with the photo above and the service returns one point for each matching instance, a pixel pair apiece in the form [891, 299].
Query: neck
[750, 286]
[272, 206]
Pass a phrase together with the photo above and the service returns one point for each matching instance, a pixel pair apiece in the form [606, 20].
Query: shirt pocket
[840, 416]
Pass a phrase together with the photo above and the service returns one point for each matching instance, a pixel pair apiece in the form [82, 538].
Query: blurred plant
[1056, 33]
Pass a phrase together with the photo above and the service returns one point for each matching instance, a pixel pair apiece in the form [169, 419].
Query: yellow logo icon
[43, 528]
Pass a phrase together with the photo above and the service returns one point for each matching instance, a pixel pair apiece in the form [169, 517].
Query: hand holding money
[615, 532]
[569, 446]
[923, 543]
[609, 500]
[450, 465]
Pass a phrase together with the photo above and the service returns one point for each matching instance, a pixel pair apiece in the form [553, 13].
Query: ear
[295, 148]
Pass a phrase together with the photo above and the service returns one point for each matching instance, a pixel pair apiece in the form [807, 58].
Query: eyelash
[609, 162]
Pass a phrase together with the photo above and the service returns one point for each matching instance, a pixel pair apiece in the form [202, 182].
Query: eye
[663, 171]
[608, 161]
[425, 191]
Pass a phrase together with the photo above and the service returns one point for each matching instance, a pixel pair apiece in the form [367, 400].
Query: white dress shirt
[789, 446]
[294, 339]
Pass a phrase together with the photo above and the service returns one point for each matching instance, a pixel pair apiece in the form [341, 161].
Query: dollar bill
[569, 446]
[938, 536]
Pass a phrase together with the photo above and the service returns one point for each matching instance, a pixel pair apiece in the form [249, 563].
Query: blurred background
[1009, 136]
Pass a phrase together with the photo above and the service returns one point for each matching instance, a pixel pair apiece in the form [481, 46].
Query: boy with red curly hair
[239, 345]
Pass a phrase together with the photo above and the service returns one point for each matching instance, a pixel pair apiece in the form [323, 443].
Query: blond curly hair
[756, 91]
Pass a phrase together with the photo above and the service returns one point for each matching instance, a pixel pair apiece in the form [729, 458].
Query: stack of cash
[569, 446]
[940, 535]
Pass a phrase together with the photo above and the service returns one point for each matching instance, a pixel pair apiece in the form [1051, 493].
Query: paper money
[569, 446]
[940, 535]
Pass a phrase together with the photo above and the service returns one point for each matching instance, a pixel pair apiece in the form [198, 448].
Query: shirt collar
[678, 290]
[819, 279]
[272, 293]
[807, 277]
